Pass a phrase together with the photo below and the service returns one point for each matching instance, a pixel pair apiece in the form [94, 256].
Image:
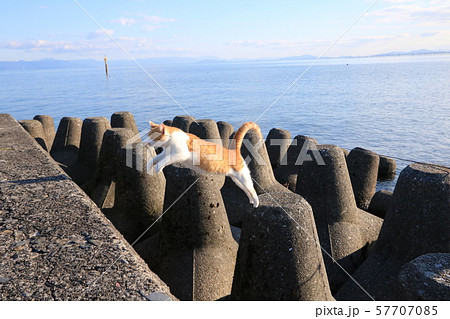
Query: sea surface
[398, 107]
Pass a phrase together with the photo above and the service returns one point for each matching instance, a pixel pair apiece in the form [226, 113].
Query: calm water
[396, 107]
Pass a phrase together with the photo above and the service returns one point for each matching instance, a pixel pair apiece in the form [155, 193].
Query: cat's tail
[239, 137]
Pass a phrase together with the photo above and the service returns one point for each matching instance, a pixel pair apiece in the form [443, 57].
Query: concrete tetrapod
[139, 195]
[417, 223]
[236, 202]
[102, 188]
[67, 141]
[183, 122]
[83, 170]
[363, 169]
[49, 129]
[34, 128]
[340, 225]
[286, 173]
[197, 250]
[387, 168]
[425, 278]
[277, 144]
[279, 256]
[125, 120]
[380, 202]
[225, 131]
[206, 129]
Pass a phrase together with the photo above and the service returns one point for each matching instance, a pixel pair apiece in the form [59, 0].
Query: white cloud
[150, 28]
[274, 44]
[435, 12]
[156, 19]
[124, 21]
[94, 46]
[397, 1]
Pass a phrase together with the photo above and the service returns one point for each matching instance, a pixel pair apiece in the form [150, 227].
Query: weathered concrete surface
[425, 278]
[363, 166]
[197, 252]
[279, 256]
[49, 129]
[286, 173]
[277, 144]
[66, 143]
[379, 204]
[124, 120]
[225, 130]
[55, 244]
[344, 231]
[416, 223]
[387, 168]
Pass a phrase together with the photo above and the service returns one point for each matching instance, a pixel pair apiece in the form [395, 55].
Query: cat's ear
[162, 128]
[152, 124]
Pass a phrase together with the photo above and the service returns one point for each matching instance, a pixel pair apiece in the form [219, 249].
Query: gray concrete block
[225, 131]
[183, 122]
[286, 173]
[277, 144]
[67, 141]
[363, 169]
[416, 223]
[387, 168]
[83, 170]
[329, 191]
[197, 250]
[102, 187]
[49, 129]
[279, 255]
[36, 131]
[379, 204]
[124, 120]
[426, 278]
[139, 195]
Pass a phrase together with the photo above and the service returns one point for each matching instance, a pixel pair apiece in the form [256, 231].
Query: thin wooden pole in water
[106, 66]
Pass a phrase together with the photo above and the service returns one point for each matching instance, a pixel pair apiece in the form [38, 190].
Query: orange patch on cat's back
[214, 157]
[171, 129]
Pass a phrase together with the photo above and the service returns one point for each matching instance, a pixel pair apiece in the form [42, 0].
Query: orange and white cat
[203, 156]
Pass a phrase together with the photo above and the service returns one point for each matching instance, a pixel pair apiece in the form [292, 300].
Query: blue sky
[229, 29]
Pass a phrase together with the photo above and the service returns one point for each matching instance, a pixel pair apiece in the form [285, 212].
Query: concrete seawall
[55, 243]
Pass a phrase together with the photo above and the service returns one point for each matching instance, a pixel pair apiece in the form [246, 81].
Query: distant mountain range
[87, 63]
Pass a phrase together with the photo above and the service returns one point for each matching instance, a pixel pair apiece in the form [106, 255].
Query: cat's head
[158, 134]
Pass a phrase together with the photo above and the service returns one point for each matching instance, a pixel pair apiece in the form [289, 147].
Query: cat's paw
[256, 204]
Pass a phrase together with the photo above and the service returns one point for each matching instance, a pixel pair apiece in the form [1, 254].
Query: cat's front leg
[163, 162]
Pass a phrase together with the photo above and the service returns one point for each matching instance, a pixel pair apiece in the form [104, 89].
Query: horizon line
[419, 52]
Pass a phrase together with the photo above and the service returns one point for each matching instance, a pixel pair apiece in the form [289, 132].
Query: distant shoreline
[54, 64]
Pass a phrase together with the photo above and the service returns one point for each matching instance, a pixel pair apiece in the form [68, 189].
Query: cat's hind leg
[244, 177]
[238, 183]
